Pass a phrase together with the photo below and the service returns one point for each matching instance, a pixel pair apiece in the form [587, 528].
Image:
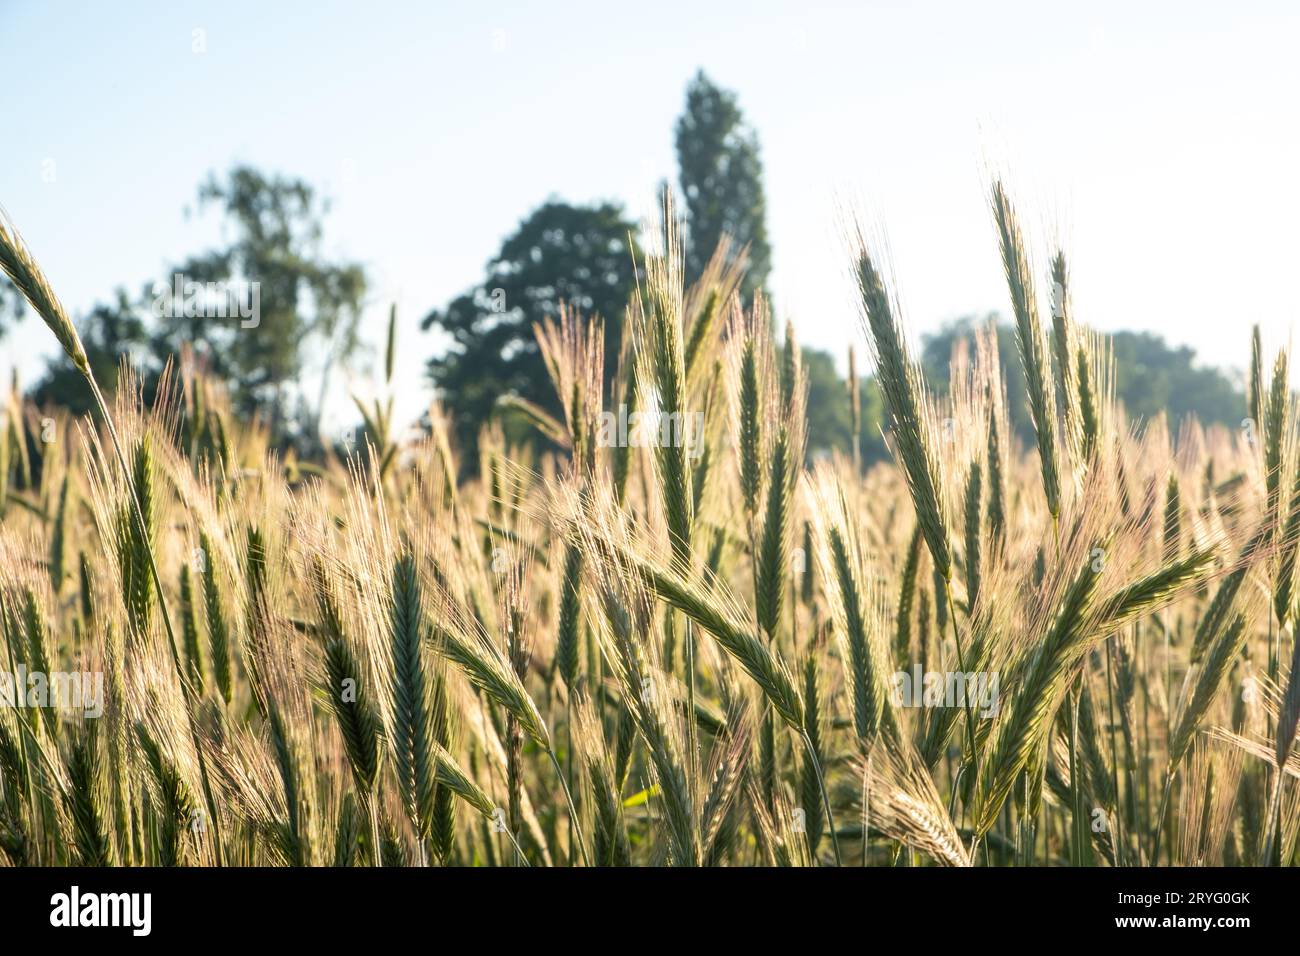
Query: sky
[1157, 143]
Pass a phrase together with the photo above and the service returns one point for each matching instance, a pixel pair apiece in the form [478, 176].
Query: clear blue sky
[1162, 141]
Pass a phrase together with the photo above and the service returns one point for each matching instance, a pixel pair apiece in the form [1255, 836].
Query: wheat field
[666, 639]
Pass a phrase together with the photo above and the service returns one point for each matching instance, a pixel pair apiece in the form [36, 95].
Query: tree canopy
[12, 305]
[830, 422]
[722, 182]
[308, 306]
[1151, 376]
[110, 332]
[304, 309]
[580, 256]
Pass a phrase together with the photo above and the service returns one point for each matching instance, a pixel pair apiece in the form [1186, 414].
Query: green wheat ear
[700, 329]
[412, 732]
[1063, 338]
[1030, 338]
[1213, 673]
[974, 531]
[855, 410]
[443, 829]
[36, 653]
[566, 641]
[997, 513]
[773, 554]
[176, 805]
[218, 634]
[1173, 536]
[865, 691]
[906, 596]
[294, 835]
[190, 631]
[58, 537]
[84, 799]
[1276, 416]
[348, 687]
[903, 387]
[1023, 728]
[751, 437]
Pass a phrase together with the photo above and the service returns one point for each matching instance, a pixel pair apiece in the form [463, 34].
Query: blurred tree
[722, 182]
[1153, 376]
[936, 352]
[110, 332]
[829, 421]
[12, 305]
[1150, 376]
[306, 306]
[577, 255]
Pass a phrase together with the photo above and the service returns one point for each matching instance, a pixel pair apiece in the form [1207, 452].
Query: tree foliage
[561, 254]
[830, 426]
[12, 305]
[1151, 376]
[722, 182]
[309, 306]
[110, 332]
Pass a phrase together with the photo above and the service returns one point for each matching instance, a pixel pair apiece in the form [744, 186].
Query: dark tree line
[303, 309]
[1151, 376]
[582, 256]
[585, 255]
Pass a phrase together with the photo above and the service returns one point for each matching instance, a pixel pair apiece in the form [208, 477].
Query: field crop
[658, 635]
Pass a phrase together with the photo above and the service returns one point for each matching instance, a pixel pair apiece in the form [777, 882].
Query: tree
[560, 254]
[304, 304]
[1150, 377]
[722, 182]
[1154, 377]
[830, 425]
[110, 332]
[936, 353]
[12, 305]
